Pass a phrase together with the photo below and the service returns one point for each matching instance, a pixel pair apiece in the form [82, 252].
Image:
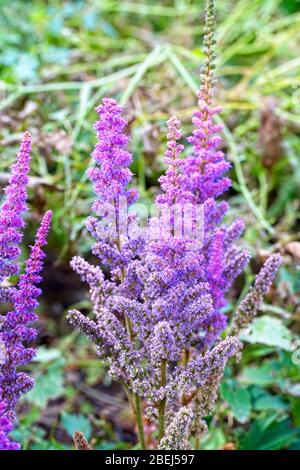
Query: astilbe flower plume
[11, 210]
[173, 180]
[249, 306]
[6, 427]
[177, 431]
[111, 174]
[158, 309]
[15, 326]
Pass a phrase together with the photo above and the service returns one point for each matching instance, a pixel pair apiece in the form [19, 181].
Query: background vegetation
[57, 59]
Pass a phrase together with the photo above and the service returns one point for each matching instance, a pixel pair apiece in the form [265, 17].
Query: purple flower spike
[172, 182]
[14, 205]
[249, 306]
[15, 328]
[111, 174]
[6, 427]
[15, 325]
[206, 166]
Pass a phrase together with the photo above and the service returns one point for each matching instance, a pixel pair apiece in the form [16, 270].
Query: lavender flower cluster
[158, 315]
[15, 326]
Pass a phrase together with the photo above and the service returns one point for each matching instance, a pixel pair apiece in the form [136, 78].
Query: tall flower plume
[5, 428]
[249, 306]
[111, 175]
[172, 183]
[16, 329]
[12, 209]
[206, 165]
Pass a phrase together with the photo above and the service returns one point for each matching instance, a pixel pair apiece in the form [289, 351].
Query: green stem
[139, 421]
[129, 327]
[185, 361]
[136, 401]
[162, 405]
[137, 406]
[129, 396]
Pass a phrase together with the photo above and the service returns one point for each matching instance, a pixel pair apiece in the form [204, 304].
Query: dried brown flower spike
[270, 135]
[80, 441]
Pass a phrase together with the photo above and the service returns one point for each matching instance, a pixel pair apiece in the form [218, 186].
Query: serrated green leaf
[45, 355]
[263, 401]
[215, 440]
[48, 386]
[238, 400]
[76, 423]
[269, 434]
[269, 331]
[267, 374]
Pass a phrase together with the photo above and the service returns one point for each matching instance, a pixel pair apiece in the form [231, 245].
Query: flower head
[172, 182]
[177, 431]
[111, 175]
[15, 330]
[12, 209]
[6, 427]
[249, 306]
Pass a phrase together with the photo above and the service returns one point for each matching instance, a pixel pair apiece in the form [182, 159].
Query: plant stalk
[139, 421]
[162, 405]
[137, 400]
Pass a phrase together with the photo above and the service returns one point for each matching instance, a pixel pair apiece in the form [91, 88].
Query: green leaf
[49, 445]
[292, 389]
[269, 331]
[25, 434]
[267, 374]
[263, 401]
[76, 423]
[111, 446]
[26, 68]
[295, 410]
[238, 400]
[215, 440]
[45, 355]
[48, 386]
[295, 445]
[269, 434]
